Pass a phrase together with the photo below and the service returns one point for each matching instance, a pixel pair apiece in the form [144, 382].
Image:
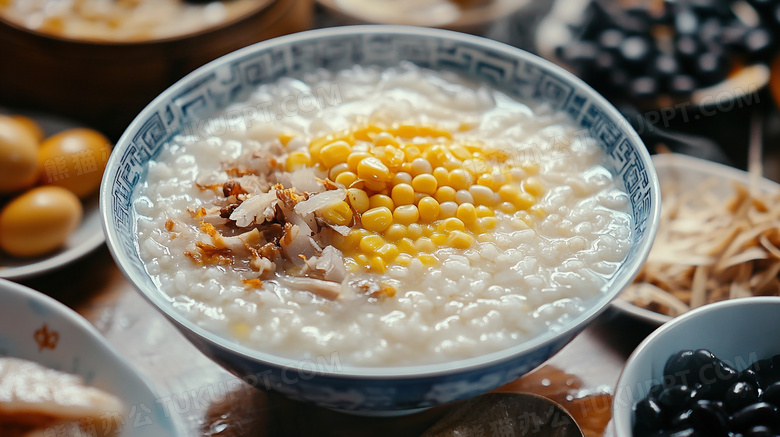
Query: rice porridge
[411, 218]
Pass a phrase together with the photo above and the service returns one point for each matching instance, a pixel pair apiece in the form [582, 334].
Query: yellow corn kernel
[425, 244]
[459, 179]
[454, 164]
[402, 194]
[404, 259]
[406, 214]
[378, 200]
[442, 176]
[447, 209]
[486, 180]
[406, 245]
[296, 160]
[407, 131]
[377, 219]
[402, 177]
[531, 167]
[377, 264]
[366, 133]
[482, 195]
[428, 260]
[395, 232]
[414, 231]
[358, 199]
[337, 169]
[372, 169]
[420, 166]
[533, 186]
[460, 240]
[425, 183]
[524, 201]
[388, 251]
[353, 239]
[476, 166]
[361, 260]
[507, 207]
[508, 193]
[351, 265]
[488, 223]
[451, 224]
[438, 239]
[435, 132]
[355, 158]
[345, 178]
[419, 196]
[382, 140]
[338, 213]
[444, 194]
[316, 145]
[437, 156]
[429, 209]
[285, 138]
[412, 151]
[391, 156]
[467, 214]
[484, 211]
[335, 153]
[371, 243]
[241, 331]
[460, 152]
[375, 186]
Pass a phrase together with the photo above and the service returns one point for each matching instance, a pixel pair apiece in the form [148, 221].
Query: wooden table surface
[208, 401]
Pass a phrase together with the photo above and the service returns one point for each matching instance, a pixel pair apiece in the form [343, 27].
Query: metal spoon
[507, 414]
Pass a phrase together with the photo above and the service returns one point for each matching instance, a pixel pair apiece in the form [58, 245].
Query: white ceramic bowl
[36, 327]
[687, 171]
[375, 389]
[739, 332]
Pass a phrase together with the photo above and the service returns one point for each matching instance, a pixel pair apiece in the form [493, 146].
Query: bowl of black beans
[712, 372]
[668, 49]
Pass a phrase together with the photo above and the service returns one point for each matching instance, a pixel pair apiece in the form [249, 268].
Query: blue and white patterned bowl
[37, 328]
[210, 88]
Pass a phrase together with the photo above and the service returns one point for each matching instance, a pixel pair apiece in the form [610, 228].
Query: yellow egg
[31, 125]
[74, 159]
[39, 221]
[18, 156]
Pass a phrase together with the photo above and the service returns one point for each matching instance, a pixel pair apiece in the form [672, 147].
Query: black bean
[751, 376]
[771, 394]
[687, 432]
[680, 366]
[676, 398]
[682, 84]
[760, 413]
[708, 419]
[666, 65]
[759, 431]
[644, 87]
[740, 395]
[649, 416]
[635, 49]
[610, 39]
[686, 22]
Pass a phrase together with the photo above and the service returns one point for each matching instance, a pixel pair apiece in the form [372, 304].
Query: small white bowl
[37, 328]
[738, 331]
